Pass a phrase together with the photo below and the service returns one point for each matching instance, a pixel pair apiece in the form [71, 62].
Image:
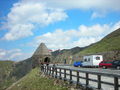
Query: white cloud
[98, 15]
[116, 26]
[83, 36]
[14, 54]
[82, 4]
[94, 30]
[24, 17]
[19, 31]
[99, 7]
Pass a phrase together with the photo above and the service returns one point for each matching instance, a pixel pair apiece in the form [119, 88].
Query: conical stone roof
[42, 50]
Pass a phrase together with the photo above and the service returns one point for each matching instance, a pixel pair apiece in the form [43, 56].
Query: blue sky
[64, 24]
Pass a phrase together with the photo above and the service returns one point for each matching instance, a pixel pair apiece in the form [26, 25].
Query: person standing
[42, 66]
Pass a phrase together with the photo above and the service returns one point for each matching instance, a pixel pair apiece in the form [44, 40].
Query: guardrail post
[116, 83]
[87, 79]
[56, 72]
[64, 74]
[47, 70]
[78, 78]
[42, 68]
[99, 81]
[70, 76]
[60, 73]
[52, 72]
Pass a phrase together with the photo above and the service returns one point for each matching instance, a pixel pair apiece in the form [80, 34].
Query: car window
[108, 62]
[77, 61]
[89, 59]
[116, 62]
[85, 60]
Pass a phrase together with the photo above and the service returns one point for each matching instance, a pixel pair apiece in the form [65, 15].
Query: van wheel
[118, 67]
[104, 67]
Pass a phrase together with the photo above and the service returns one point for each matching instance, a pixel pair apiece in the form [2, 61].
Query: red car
[105, 64]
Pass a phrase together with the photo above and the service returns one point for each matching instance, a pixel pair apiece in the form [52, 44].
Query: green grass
[34, 81]
[21, 68]
[11, 71]
[6, 68]
[109, 43]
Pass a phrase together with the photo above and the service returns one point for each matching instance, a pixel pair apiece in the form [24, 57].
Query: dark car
[116, 64]
[77, 63]
[106, 64]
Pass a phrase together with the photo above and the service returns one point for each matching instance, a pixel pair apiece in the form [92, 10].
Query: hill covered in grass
[35, 80]
[6, 67]
[11, 71]
[21, 68]
[109, 47]
[109, 43]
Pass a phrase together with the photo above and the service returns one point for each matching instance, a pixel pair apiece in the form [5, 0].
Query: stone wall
[111, 55]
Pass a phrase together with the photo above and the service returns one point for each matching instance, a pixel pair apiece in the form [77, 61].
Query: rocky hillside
[65, 54]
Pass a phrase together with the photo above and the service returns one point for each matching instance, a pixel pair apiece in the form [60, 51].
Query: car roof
[116, 60]
[107, 61]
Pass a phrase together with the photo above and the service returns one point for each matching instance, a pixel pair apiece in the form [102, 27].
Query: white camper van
[92, 60]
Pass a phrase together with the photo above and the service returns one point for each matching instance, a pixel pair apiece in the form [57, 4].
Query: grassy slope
[22, 68]
[5, 69]
[10, 72]
[33, 81]
[109, 43]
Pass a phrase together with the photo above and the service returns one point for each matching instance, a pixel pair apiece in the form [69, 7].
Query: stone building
[41, 55]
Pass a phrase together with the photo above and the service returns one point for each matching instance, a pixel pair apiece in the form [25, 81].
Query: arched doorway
[47, 60]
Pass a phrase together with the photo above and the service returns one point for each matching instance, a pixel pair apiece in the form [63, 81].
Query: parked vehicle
[77, 63]
[116, 64]
[92, 60]
[105, 64]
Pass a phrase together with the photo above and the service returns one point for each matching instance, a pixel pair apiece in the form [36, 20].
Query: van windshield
[97, 58]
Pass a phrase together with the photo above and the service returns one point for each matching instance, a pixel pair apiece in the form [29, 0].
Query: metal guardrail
[57, 73]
